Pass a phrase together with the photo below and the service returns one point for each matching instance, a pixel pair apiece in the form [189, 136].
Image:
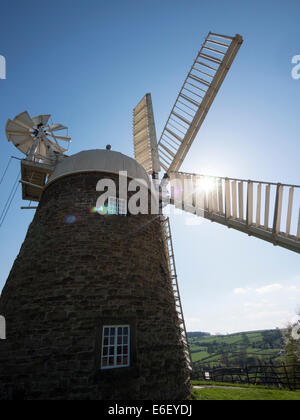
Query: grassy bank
[229, 392]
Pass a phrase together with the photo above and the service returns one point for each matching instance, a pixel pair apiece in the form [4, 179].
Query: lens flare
[70, 220]
[99, 210]
[207, 184]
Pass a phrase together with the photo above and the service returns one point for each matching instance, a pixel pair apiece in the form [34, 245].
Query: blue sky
[89, 62]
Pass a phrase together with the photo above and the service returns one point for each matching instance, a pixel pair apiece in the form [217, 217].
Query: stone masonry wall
[72, 276]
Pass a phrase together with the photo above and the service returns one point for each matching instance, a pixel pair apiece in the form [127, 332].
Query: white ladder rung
[174, 284]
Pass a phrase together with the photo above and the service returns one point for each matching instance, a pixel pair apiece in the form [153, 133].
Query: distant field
[250, 347]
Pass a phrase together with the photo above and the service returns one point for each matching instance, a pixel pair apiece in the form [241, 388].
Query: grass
[200, 355]
[211, 383]
[248, 393]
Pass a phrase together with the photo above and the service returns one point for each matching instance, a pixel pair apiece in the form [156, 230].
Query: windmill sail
[144, 136]
[195, 98]
[265, 210]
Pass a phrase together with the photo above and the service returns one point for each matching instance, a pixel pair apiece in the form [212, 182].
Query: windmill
[97, 298]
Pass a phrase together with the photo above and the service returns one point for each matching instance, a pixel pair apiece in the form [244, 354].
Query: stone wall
[72, 276]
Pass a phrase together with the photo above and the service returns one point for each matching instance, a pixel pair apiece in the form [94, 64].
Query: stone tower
[88, 304]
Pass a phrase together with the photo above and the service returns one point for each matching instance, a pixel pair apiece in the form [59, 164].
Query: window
[117, 206]
[115, 347]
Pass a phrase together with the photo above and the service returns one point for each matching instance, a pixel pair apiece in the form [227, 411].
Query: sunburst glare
[207, 184]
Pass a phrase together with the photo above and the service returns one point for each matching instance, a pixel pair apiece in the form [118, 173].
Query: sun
[207, 184]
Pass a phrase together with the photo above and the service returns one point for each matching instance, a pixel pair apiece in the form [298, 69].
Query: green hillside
[249, 348]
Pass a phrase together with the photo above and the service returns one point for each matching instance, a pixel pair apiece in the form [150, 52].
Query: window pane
[117, 206]
[112, 206]
[115, 347]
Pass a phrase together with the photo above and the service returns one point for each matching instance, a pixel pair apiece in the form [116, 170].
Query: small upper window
[117, 206]
[115, 347]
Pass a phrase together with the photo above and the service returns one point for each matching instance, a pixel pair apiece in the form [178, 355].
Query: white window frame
[117, 206]
[115, 345]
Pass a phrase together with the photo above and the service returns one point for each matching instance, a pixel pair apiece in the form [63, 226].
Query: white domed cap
[99, 161]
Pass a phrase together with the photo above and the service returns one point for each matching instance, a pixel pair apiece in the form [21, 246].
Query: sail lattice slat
[195, 98]
[144, 136]
[266, 210]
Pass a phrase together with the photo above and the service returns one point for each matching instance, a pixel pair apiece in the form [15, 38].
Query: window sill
[124, 372]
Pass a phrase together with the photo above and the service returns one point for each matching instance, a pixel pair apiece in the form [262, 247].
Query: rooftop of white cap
[99, 160]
